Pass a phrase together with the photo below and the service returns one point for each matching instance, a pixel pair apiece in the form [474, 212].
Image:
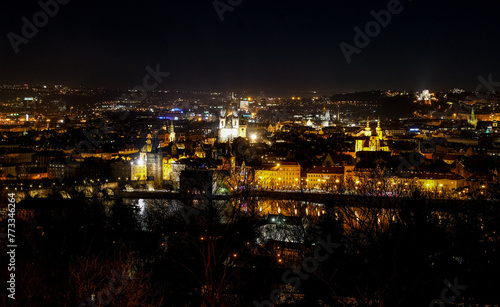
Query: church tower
[152, 156]
[326, 118]
[222, 119]
[473, 119]
[172, 132]
[243, 129]
[379, 130]
[236, 120]
[368, 130]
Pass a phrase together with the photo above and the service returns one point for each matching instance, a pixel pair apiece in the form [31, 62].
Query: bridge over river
[329, 199]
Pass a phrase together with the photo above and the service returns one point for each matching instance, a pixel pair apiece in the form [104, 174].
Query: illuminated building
[494, 123]
[200, 152]
[426, 97]
[167, 167]
[321, 177]
[285, 175]
[138, 170]
[31, 173]
[270, 128]
[231, 127]
[8, 170]
[472, 119]
[171, 136]
[439, 182]
[266, 176]
[244, 105]
[325, 119]
[149, 166]
[371, 140]
[275, 128]
[173, 114]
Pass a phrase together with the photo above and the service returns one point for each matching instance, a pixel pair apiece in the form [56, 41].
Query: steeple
[368, 131]
[172, 132]
[473, 119]
[379, 130]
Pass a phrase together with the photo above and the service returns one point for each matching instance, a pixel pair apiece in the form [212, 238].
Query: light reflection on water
[141, 203]
[352, 216]
[151, 207]
[264, 207]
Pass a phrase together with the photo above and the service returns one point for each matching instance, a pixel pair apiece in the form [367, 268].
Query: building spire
[172, 132]
[473, 119]
[367, 128]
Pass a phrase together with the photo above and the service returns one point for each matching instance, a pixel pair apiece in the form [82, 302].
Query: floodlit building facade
[284, 175]
[369, 140]
[322, 177]
[149, 166]
[231, 126]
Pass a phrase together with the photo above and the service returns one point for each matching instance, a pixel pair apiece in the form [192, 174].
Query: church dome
[149, 145]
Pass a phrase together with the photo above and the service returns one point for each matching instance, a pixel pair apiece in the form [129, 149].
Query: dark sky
[261, 45]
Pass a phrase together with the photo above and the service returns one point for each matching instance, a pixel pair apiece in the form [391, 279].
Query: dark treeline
[203, 252]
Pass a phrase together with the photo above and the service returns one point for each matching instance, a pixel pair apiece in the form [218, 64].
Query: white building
[231, 126]
[325, 119]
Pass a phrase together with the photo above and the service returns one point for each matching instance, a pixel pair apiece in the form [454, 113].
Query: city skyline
[225, 153]
[254, 46]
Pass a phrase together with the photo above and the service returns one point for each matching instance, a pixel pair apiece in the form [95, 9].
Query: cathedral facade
[369, 140]
[231, 126]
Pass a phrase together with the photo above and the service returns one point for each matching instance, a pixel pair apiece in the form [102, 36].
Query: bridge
[335, 199]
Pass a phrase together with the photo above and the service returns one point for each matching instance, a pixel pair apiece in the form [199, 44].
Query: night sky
[261, 45]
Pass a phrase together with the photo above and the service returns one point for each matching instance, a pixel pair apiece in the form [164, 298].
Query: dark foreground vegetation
[202, 252]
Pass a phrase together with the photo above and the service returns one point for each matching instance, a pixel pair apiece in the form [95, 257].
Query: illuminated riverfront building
[149, 166]
[440, 182]
[285, 175]
[321, 177]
